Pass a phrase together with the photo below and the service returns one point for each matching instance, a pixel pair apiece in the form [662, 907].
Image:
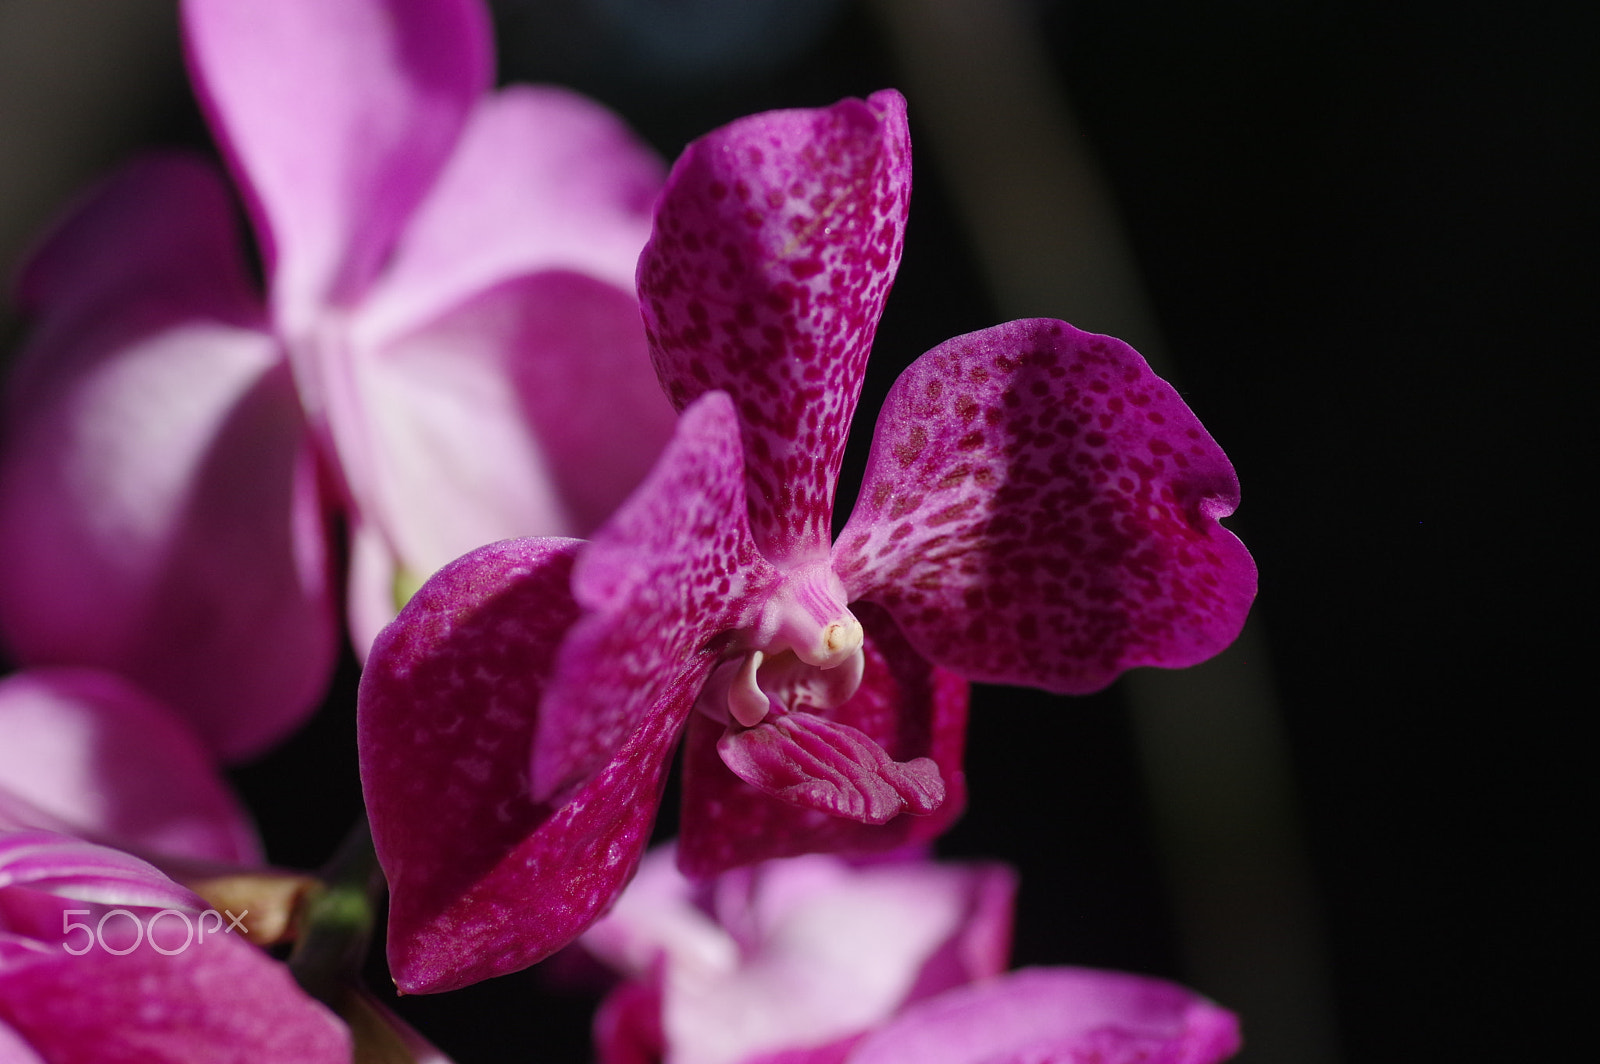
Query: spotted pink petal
[775, 243]
[1057, 1014]
[1040, 508]
[542, 179]
[673, 569]
[159, 515]
[477, 434]
[905, 706]
[336, 117]
[94, 752]
[482, 879]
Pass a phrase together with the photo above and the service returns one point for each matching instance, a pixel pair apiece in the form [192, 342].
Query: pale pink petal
[98, 754]
[906, 706]
[1057, 1014]
[14, 1050]
[64, 866]
[673, 569]
[814, 951]
[1040, 508]
[159, 514]
[529, 410]
[775, 243]
[484, 881]
[542, 179]
[337, 118]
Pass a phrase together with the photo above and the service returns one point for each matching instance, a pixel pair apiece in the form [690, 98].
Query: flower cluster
[392, 428]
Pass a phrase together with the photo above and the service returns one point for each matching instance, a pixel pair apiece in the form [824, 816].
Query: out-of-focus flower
[445, 347]
[104, 959]
[811, 960]
[88, 754]
[1038, 508]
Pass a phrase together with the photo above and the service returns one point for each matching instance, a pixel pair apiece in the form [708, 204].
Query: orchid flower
[1038, 508]
[77, 983]
[812, 960]
[446, 337]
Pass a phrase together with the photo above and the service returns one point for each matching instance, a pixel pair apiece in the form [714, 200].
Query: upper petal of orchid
[1040, 508]
[94, 752]
[542, 179]
[482, 879]
[907, 707]
[776, 240]
[528, 410]
[337, 118]
[674, 568]
[1065, 1014]
[159, 515]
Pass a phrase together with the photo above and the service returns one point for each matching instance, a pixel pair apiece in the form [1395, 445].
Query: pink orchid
[79, 984]
[812, 960]
[1038, 508]
[446, 341]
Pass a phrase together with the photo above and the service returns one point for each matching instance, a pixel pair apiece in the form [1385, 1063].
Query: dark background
[1364, 228]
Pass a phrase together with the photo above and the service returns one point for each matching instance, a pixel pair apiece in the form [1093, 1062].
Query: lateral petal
[907, 707]
[336, 119]
[482, 879]
[159, 515]
[672, 570]
[776, 240]
[97, 753]
[1040, 508]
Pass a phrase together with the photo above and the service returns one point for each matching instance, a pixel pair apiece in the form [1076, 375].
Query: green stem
[337, 920]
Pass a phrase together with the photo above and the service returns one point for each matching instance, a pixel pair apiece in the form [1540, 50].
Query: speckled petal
[337, 117]
[906, 706]
[1056, 1014]
[159, 513]
[94, 752]
[529, 410]
[775, 243]
[671, 571]
[1040, 508]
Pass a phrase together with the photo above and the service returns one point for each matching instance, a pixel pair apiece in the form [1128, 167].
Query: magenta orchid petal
[808, 760]
[542, 179]
[61, 865]
[1040, 508]
[1065, 1014]
[673, 568]
[905, 706]
[476, 437]
[776, 240]
[484, 881]
[96, 753]
[337, 119]
[179, 1001]
[158, 508]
